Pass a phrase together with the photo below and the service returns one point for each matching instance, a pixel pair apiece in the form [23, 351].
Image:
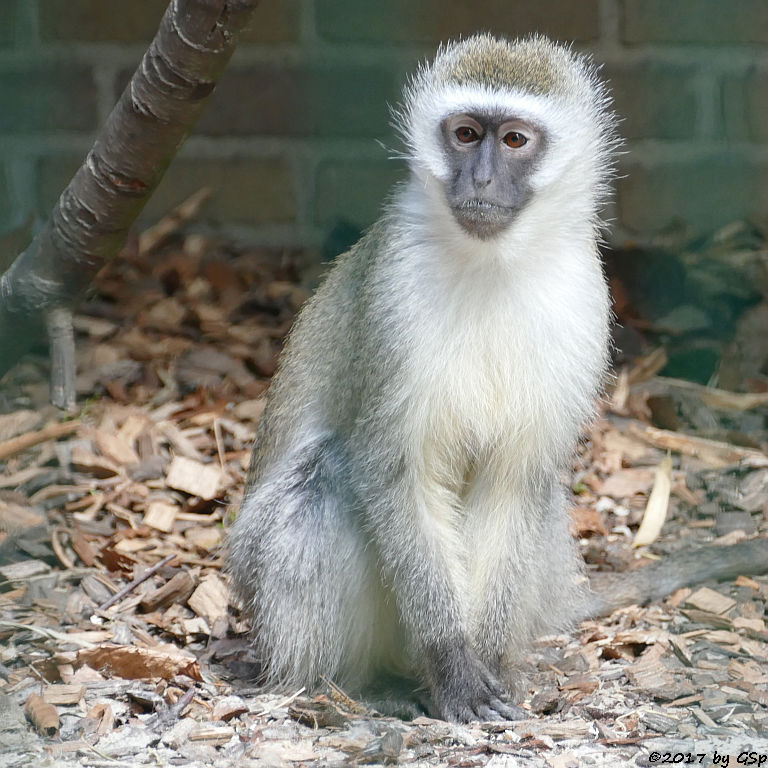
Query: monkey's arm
[655, 582]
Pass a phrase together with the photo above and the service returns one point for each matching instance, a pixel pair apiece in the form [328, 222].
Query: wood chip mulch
[119, 642]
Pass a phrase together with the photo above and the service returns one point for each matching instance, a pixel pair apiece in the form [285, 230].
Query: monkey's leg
[412, 529]
[525, 569]
[299, 562]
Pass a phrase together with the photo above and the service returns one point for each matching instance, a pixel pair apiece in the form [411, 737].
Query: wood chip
[749, 672]
[707, 617]
[85, 461]
[745, 581]
[22, 442]
[584, 683]
[737, 401]
[115, 448]
[176, 590]
[679, 649]
[18, 423]
[658, 504]
[181, 444]
[212, 734]
[577, 728]
[83, 548]
[707, 599]
[651, 675]
[210, 599]
[14, 518]
[134, 426]
[627, 482]
[685, 700]
[756, 625]
[96, 327]
[26, 569]
[228, 707]
[194, 477]
[103, 713]
[586, 521]
[63, 693]
[250, 410]
[153, 236]
[703, 717]
[161, 515]
[724, 637]
[207, 538]
[711, 452]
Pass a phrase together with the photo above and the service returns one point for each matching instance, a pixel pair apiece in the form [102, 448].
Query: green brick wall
[694, 21]
[404, 22]
[296, 139]
[50, 97]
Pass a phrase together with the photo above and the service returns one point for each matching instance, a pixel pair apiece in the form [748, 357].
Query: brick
[56, 97]
[745, 106]
[655, 100]
[304, 100]
[704, 195]
[7, 208]
[354, 191]
[694, 21]
[53, 174]
[247, 191]
[8, 21]
[274, 21]
[431, 21]
[99, 21]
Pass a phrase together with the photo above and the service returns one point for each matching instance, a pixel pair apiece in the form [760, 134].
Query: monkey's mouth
[482, 218]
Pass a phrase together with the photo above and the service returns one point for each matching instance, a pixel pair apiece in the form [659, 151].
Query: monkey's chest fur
[501, 392]
[510, 377]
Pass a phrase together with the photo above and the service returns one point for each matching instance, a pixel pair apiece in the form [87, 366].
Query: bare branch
[148, 125]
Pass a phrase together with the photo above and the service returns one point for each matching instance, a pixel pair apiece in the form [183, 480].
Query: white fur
[569, 133]
[404, 499]
[509, 372]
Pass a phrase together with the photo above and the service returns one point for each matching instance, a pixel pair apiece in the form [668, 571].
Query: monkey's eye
[515, 140]
[466, 135]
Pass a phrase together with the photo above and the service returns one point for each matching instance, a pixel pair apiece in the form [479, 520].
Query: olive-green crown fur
[535, 64]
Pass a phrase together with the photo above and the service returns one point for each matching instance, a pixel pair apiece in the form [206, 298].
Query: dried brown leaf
[42, 715]
[163, 660]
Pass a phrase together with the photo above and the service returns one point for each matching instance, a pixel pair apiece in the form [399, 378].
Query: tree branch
[150, 122]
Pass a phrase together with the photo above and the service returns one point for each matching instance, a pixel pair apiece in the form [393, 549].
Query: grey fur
[404, 510]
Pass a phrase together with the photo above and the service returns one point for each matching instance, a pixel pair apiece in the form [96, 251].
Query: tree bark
[150, 122]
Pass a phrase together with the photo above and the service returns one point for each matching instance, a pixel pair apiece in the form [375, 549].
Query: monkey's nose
[482, 180]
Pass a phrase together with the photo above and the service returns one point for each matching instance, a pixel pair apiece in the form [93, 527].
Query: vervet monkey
[405, 511]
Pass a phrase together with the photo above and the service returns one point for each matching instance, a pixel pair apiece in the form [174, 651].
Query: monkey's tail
[645, 585]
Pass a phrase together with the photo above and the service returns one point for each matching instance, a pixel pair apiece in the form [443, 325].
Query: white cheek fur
[575, 144]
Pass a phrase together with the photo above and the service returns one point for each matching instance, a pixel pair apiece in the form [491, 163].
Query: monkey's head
[506, 127]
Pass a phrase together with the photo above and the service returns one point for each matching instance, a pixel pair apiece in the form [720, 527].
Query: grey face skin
[492, 158]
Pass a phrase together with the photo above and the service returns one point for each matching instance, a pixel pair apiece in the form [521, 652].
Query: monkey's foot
[469, 691]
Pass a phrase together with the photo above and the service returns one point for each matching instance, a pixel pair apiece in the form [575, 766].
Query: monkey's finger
[507, 711]
[487, 714]
[492, 683]
[459, 714]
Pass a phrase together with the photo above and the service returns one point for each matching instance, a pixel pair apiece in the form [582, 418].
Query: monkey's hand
[464, 689]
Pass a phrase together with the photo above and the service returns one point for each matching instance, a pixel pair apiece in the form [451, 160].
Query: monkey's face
[491, 159]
